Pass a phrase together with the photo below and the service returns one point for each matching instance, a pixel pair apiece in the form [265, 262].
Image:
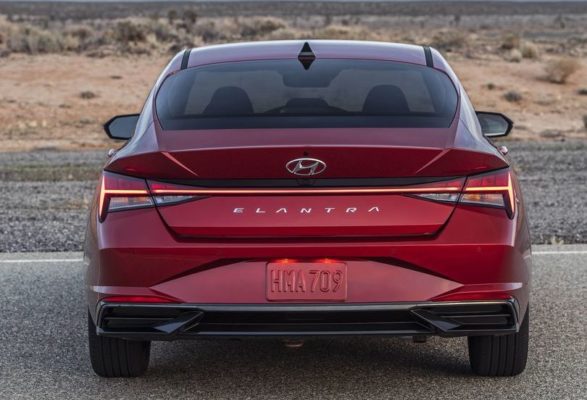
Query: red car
[295, 189]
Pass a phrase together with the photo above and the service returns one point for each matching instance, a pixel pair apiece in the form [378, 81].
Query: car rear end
[306, 196]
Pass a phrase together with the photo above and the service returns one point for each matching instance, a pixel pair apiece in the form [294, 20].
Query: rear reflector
[494, 189]
[137, 299]
[474, 296]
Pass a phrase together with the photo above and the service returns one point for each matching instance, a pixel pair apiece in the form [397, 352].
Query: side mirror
[494, 124]
[121, 127]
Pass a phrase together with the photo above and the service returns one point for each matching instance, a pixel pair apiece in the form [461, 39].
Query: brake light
[119, 192]
[494, 189]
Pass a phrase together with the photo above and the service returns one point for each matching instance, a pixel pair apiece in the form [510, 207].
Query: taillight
[445, 192]
[494, 189]
[119, 192]
[168, 193]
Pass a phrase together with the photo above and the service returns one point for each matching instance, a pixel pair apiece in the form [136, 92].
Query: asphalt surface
[45, 194]
[43, 350]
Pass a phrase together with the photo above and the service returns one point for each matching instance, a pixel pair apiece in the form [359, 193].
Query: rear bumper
[193, 321]
[480, 255]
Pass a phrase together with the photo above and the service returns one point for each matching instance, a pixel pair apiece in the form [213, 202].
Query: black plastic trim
[505, 117]
[193, 321]
[306, 56]
[428, 56]
[106, 126]
[296, 182]
[185, 59]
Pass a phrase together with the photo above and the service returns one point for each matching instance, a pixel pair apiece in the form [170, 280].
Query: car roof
[287, 49]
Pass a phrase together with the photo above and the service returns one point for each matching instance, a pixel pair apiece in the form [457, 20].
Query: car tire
[503, 355]
[113, 358]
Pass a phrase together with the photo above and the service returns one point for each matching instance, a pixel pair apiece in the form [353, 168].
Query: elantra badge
[306, 166]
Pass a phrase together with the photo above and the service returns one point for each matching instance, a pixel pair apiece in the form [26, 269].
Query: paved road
[43, 349]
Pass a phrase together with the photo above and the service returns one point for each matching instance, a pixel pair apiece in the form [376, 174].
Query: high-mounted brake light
[119, 192]
[493, 189]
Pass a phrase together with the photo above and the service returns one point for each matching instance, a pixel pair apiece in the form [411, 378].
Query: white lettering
[306, 210]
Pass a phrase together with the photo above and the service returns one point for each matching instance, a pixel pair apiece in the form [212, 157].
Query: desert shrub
[80, 32]
[161, 32]
[516, 45]
[511, 41]
[513, 96]
[341, 32]
[190, 16]
[450, 40]
[172, 15]
[336, 32]
[529, 50]
[283, 34]
[514, 55]
[128, 31]
[32, 40]
[558, 71]
[71, 43]
[207, 31]
[258, 27]
[582, 92]
[585, 121]
[87, 95]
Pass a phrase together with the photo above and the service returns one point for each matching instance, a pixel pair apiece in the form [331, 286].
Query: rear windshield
[284, 94]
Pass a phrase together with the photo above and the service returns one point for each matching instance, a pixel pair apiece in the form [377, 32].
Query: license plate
[306, 281]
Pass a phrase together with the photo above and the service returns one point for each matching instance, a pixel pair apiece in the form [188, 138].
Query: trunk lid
[369, 188]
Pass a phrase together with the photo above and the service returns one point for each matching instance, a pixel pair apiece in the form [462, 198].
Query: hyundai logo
[305, 166]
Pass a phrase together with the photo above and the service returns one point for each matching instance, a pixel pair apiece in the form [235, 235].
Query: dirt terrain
[65, 68]
[60, 101]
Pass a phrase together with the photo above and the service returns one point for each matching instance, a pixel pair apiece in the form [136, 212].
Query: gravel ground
[45, 194]
[43, 349]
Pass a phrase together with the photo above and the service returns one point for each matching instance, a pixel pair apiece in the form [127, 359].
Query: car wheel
[503, 355]
[112, 358]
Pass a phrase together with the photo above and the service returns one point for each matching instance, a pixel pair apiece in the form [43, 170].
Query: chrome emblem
[306, 166]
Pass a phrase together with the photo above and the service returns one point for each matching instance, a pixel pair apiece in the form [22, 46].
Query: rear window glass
[283, 94]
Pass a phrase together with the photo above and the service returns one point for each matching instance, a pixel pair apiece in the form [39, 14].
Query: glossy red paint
[411, 250]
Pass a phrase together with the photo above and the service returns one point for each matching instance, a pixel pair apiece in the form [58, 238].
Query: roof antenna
[306, 56]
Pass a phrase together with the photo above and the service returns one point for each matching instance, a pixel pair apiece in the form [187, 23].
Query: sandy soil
[42, 106]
